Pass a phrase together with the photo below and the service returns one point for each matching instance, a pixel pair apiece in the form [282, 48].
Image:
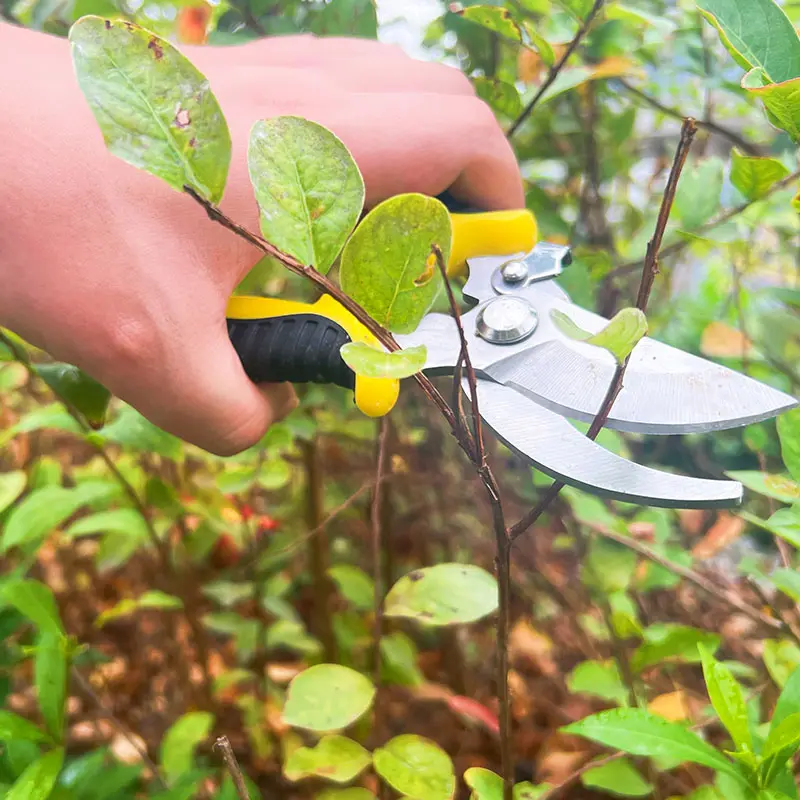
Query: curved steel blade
[552, 444]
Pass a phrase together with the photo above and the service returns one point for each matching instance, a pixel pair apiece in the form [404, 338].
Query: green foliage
[156, 111]
[38, 780]
[335, 758]
[366, 360]
[446, 594]
[664, 642]
[77, 388]
[11, 486]
[181, 740]
[416, 767]
[618, 778]
[487, 785]
[150, 599]
[600, 679]
[619, 337]
[754, 177]
[388, 266]
[309, 190]
[51, 666]
[327, 697]
[728, 700]
[35, 601]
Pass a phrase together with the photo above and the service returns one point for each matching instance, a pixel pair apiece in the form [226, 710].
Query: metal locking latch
[546, 260]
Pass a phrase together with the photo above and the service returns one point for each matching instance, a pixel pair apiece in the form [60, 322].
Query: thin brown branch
[232, 765]
[705, 124]
[556, 69]
[649, 272]
[681, 245]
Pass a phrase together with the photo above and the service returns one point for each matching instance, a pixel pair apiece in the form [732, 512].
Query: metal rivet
[514, 271]
[506, 320]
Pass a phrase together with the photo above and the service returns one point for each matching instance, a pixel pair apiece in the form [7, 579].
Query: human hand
[106, 268]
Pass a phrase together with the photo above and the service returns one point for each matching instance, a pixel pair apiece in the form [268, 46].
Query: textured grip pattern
[297, 348]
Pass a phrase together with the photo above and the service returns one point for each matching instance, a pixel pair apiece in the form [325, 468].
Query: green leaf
[496, 19]
[347, 18]
[131, 430]
[417, 767]
[77, 388]
[641, 733]
[38, 780]
[50, 669]
[757, 33]
[346, 794]
[778, 487]
[788, 581]
[181, 740]
[399, 660]
[150, 599]
[487, 785]
[445, 594]
[783, 741]
[364, 359]
[388, 266]
[356, 586]
[619, 337]
[789, 435]
[309, 190]
[35, 601]
[39, 514]
[728, 700]
[781, 100]
[785, 522]
[609, 566]
[789, 700]
[754, 176]
[502, 97]
[125, 521]
[618, 777]
[13, 727]
[155, 109]
[327, 697]
[335, 758]
[672, 642]
[781, 658]
[11, 486]
[698, 195]
[599, 679]
[54, 416]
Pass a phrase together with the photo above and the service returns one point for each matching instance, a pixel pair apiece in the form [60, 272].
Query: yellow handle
[490, 233]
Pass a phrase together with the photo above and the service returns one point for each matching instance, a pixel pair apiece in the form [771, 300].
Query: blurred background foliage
[194, 588]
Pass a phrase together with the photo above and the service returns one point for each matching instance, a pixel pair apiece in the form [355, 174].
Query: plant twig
[503, 544]
[377, 554]
[649, 272]
[705, 124]
[234, 770]
[556, 69]
[681, 245]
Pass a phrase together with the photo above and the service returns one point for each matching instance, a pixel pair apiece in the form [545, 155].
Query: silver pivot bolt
[514, 271]
[506, 320]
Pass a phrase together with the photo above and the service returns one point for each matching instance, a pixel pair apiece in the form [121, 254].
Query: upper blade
[552, 444]
[666, 390]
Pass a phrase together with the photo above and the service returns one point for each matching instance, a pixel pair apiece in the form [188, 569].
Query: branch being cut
[234, 770]
[556, 69]
[648, 276]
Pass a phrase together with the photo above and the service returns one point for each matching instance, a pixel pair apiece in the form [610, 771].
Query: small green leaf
[672, 642]
[789, 700]
[327, 697]
[399, 660]
[335, 758]
[728, 700]
[754, 176]
[126, 521]
[757, 33]
[51, 680]
[13, 727]
[356, 586]
[181, 740]
[11, 486]
[502, 97]
[781, 658]
[788, 581]
[445, 594]
[641, 733]
[486, 785]
[35, 601]
[779, 487]
[355, 793]
[789, 435]
[150, 599]
[347, 18]
[619, 778]
[372, 362]
[54, 417]
[131, 430]
[783, 741]
[155, 109]
[38, 780]
[599, 679]
[308, 188]
[780, 100]
[78, 389]
[387, 262]
[698, 195]
[619, 337]
[496, 19]
[417, 767]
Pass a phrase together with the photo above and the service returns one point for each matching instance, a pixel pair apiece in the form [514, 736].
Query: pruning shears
[532, 378]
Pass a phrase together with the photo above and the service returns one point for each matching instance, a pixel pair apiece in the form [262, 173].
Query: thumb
[208, 400]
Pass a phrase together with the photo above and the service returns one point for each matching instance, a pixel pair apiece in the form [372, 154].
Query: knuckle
[132, 342]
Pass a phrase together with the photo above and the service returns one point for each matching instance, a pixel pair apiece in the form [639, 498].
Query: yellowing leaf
[614, 67]
[720, 340]
[671, 706]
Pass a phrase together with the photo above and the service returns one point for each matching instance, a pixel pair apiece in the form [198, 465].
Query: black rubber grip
[298, 348]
